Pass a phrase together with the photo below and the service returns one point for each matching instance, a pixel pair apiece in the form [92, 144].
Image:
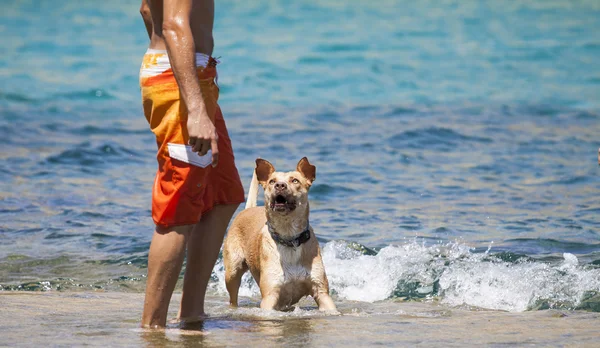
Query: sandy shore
[112, 319]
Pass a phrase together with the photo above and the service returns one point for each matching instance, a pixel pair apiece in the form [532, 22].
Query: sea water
[455, 144]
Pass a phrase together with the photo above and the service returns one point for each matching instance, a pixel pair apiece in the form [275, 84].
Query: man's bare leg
[165, 259]
[202, 252]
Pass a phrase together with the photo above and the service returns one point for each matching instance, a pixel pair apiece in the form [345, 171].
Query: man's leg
[165, 258]
[203, 249]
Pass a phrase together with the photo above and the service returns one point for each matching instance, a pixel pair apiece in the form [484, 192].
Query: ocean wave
[452, 273]
[84, 94]
[519, 286]
[549, 245]
[86, 154]
[16, 97]
[88, 94]
[434, 137]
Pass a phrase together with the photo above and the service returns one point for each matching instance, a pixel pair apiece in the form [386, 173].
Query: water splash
[452, 272]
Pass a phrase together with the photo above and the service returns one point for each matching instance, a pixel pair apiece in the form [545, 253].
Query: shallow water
[101, 319]
[455, 143]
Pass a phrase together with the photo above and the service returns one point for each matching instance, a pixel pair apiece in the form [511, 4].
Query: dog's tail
[252, 191]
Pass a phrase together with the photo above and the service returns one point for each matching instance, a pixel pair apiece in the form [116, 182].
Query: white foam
[517, 287]
[452, 272]
[373, 278]
[248, 288]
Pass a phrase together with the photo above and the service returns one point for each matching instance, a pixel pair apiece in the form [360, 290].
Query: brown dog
[276, 242]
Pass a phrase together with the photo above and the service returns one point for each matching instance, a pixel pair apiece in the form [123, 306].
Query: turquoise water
[456, 143]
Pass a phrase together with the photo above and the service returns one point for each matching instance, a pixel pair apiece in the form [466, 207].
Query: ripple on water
[443, 139]
[325, 192]
[537, 246]
[88, 155]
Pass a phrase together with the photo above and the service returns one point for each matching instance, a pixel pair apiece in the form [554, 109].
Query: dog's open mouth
[282, 203]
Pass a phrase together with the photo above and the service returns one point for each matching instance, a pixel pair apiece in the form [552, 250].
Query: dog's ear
[264, 169]
[308, 170]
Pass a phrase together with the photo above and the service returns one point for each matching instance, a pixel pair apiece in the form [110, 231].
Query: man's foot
[193, 323]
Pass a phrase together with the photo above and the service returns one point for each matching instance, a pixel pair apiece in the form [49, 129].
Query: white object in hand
[185, 154]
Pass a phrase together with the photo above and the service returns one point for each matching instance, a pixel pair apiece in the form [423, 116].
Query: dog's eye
[296, 181]
[271, 182]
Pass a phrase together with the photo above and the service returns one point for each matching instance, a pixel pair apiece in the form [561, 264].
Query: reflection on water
[273, 328]
[180, 337]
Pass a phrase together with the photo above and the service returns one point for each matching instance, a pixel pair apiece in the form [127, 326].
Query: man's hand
[203, 135]
[182, 55]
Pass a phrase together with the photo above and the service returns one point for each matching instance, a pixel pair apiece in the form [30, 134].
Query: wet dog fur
[284, 273]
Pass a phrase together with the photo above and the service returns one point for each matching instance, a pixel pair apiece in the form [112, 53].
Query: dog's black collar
[291, 243]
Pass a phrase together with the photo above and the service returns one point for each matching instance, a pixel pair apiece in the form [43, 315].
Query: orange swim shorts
[183, 192]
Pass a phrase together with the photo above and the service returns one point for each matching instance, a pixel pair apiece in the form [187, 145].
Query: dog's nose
[280, 186]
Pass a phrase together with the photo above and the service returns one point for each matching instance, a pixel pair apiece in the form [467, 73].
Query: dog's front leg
[324, 302]
[269, 301]
[269, 290]
[320, 285]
